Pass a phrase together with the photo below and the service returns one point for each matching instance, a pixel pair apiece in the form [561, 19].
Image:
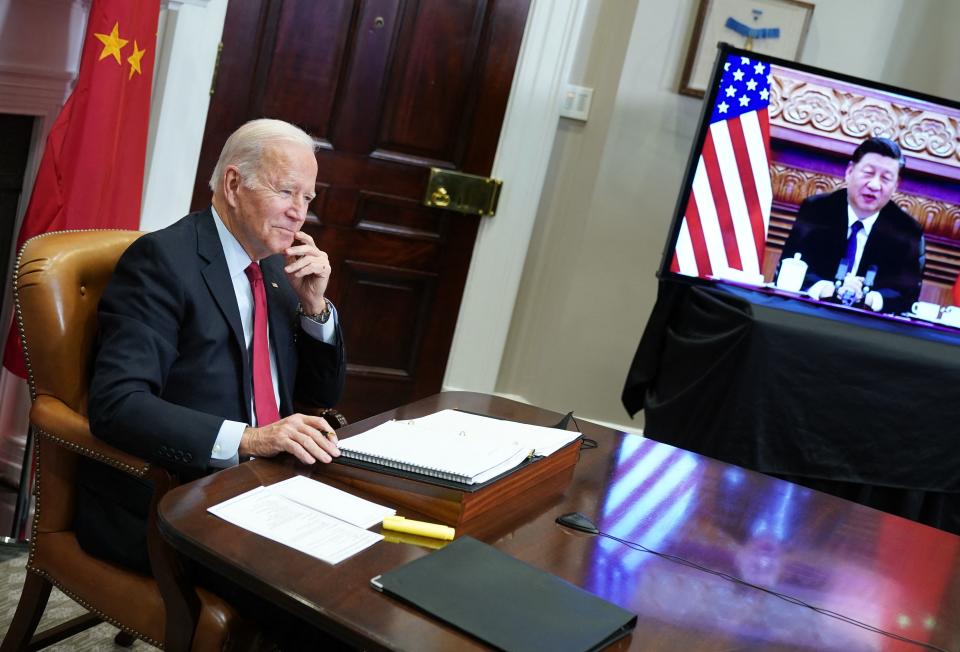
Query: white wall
[589, 285]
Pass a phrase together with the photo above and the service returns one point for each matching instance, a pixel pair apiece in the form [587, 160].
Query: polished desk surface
[879, 569]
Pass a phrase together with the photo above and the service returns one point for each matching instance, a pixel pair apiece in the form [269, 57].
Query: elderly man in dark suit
[209, 331]
[860, 227]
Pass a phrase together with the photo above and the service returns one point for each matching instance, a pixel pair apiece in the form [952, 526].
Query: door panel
[388, 88]
[301, 82]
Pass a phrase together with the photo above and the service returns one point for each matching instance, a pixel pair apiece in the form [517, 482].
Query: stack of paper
[454, 445]
[307, 515]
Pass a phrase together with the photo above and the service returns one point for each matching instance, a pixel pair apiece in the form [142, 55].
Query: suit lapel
[217, 277]
[878, 235]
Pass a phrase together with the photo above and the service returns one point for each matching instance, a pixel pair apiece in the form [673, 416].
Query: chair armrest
[58, 423]
[54, 419]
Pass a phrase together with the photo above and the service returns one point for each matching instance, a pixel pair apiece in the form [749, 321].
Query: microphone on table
[869, 279]
[847, 297]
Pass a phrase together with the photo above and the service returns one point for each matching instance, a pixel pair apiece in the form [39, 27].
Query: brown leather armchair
[57, 285]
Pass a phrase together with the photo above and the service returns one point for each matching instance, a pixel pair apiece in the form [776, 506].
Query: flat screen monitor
[822, 188]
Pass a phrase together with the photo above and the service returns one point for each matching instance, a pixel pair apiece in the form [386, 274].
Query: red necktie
[264, 401]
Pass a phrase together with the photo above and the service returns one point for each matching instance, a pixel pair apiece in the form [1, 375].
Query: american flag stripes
[725, 223]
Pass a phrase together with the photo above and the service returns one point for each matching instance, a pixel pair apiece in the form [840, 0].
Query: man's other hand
[821, 290]
[874, 301]
[306, 437]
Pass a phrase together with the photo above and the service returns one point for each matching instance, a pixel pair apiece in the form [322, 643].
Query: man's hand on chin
[308, 270]
[306, 437]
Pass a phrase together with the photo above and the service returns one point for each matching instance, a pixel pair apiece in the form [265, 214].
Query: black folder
[505, 602]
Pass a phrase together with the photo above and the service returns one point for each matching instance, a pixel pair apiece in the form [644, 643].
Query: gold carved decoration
[852, 114]
[793, 185]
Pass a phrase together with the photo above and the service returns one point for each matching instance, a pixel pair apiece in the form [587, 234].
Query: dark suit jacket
[895, 246]
[171, 365]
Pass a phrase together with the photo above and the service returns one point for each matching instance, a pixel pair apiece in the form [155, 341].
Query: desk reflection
[766, 533]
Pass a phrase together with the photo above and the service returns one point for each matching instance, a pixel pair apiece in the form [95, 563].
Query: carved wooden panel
[806, 103]
[398, 216]
[302, 82]
[434, 71]
[361, 103]
[387, 306]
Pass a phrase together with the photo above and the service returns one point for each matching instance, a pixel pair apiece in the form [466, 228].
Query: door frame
[523, 155]
[186, 58]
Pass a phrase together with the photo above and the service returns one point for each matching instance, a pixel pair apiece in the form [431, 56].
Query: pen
[433, 530]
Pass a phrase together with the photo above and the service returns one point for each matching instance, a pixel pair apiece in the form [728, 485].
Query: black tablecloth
[845, 402]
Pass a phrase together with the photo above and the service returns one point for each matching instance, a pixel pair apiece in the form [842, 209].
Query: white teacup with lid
[925, 310]
[792, 272]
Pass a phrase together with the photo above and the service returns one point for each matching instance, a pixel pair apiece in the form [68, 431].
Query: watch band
[319, 317]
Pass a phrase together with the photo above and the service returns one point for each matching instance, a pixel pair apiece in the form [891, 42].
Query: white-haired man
[209, 331]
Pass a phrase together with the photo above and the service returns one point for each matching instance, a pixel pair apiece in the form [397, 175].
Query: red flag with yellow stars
[91, 173]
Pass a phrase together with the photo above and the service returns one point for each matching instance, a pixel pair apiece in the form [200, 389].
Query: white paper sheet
[332, 501]
[544, 441]
[271, 512]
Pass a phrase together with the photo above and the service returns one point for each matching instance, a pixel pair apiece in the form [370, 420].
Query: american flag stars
[744, 86]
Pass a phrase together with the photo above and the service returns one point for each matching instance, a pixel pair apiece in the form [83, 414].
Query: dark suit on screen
[895, 246]
[171, 365]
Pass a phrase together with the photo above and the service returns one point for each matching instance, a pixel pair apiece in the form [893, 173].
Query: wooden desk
[889, 572]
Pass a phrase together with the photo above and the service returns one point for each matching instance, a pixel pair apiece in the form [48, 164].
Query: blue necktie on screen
[851, 256]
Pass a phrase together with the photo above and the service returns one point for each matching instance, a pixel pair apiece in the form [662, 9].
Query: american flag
[725, 223]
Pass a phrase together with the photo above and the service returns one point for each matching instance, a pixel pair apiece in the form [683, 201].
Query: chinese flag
[91, 173]
[956, 292]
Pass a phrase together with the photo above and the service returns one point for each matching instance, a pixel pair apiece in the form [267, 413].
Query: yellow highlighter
[432, 530]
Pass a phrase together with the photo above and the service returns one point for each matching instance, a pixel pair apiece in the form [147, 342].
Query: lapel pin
[274, 285]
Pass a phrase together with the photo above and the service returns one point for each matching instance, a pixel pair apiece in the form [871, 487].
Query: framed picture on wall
[774, 27]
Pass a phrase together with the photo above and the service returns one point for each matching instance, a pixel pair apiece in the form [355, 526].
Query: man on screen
[858, 245]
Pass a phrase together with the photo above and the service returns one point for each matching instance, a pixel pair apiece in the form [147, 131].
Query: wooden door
[389, 88]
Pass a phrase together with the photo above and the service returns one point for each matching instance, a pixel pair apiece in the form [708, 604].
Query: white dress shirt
[868, 223]
[228, 438]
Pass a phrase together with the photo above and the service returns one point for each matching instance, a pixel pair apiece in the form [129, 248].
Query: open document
[307, 515]
[454, 445]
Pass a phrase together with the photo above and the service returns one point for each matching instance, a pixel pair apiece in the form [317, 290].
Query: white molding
[186, 55]
[175, 5]
[39, 92]
[35, 75]
[33, 94]
[85, 4]
[523, 154]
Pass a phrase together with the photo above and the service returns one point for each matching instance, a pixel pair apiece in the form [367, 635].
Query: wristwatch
[319, 317]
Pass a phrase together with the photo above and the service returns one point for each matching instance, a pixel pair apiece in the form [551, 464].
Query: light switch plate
[575, 102]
